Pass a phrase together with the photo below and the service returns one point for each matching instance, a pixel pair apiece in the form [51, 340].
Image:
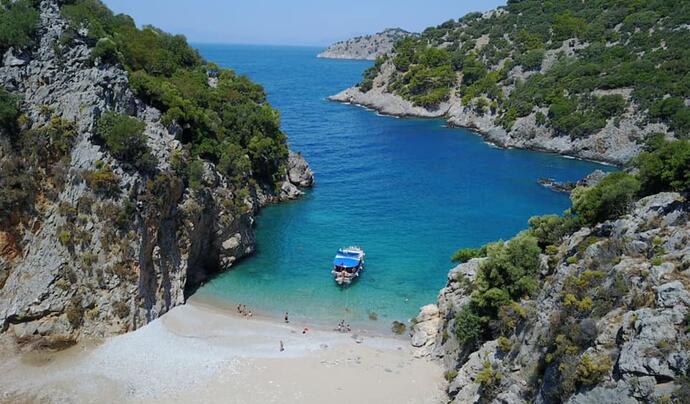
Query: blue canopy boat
[347, 265]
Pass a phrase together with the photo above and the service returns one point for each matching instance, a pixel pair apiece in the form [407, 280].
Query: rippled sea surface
[410, 191]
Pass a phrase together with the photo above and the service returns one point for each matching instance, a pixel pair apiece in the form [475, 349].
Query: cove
[409, 191]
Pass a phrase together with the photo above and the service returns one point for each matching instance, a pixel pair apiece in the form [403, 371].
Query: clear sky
[292, 22]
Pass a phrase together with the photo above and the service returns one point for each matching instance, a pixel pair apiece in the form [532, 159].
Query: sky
[292, 22]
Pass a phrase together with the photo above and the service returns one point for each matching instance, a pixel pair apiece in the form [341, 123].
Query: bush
[18, 22]
[609, 199]
[550, 229]
[591, 371]
[468, 327]
[75, 312]
[509, 272]
[504, 344]
[106, 51]
[664, 166]
[8, 111]
[103, 181]
[124, 138]
[610, 105]
[532, 59]
[370, 74]
[463, 255]
[489, 379]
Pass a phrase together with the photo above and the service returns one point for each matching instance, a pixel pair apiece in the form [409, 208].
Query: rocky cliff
[610, 324]
[568, 79]
[367, 47]
[99, 248]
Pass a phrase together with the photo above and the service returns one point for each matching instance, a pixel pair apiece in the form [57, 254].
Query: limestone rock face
[111, 280]
[299, 171]
[639, 321]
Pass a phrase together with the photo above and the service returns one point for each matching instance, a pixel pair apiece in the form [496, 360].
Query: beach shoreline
[203, 353]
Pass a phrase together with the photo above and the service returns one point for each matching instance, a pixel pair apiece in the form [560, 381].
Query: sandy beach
[198, 353]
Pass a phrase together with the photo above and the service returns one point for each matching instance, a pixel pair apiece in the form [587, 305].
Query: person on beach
[305, 330]
[282, 347]
[287, 320]
[249, 314]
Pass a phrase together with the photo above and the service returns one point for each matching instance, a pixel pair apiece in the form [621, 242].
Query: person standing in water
[282, 346]
[287, 320]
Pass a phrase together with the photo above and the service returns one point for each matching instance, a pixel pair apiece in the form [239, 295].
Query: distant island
[367, 47]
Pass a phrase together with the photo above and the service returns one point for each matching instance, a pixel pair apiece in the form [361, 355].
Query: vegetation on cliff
[18, 22]
[512, 273]
[575, 65]
[225, 118]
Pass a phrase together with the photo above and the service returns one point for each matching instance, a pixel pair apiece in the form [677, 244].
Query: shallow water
[410, 191]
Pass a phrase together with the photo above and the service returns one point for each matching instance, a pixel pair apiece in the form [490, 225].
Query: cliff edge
[109, 218]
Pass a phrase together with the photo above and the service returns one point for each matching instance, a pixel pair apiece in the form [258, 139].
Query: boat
[347, 265]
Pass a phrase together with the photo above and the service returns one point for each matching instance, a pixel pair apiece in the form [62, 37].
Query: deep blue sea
[410, 191]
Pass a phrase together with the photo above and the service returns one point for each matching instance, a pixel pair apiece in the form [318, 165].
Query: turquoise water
[409, 191]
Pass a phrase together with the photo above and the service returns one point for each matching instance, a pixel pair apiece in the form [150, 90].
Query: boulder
[299, 172]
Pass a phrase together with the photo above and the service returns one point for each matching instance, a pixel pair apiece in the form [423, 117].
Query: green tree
[664, 166]
[609, 199]
[18, 23]
[124, 138]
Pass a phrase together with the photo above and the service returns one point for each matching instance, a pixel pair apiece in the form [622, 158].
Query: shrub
[609, 199]
[106, 51]
[504, 344]
[450, 375]
[65, 238]
[508, 272]
[466, 254]
[8, 111]
[532, 59]
[18, 22]
[75, 312]
[591, 371]
[468, 326]
[489, 379]
[103, 181]
[124, 138]
[664, 166]
[610, 105]
[370, 74]
[550, 229]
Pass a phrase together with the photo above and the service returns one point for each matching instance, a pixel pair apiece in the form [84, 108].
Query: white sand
[199, 354]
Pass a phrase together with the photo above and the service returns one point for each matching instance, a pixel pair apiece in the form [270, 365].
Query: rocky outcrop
[73, 269]
[617, 143]
[379, 99]
[636, 333]
[367, 47]
[299, 171]
[589, 181]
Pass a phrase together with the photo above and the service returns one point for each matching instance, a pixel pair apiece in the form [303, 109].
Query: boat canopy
[349, 253]
[347, 262]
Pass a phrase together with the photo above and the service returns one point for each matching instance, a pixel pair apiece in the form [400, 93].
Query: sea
[409, 191]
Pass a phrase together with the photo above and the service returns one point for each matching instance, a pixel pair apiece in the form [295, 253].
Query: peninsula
[367, 47]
